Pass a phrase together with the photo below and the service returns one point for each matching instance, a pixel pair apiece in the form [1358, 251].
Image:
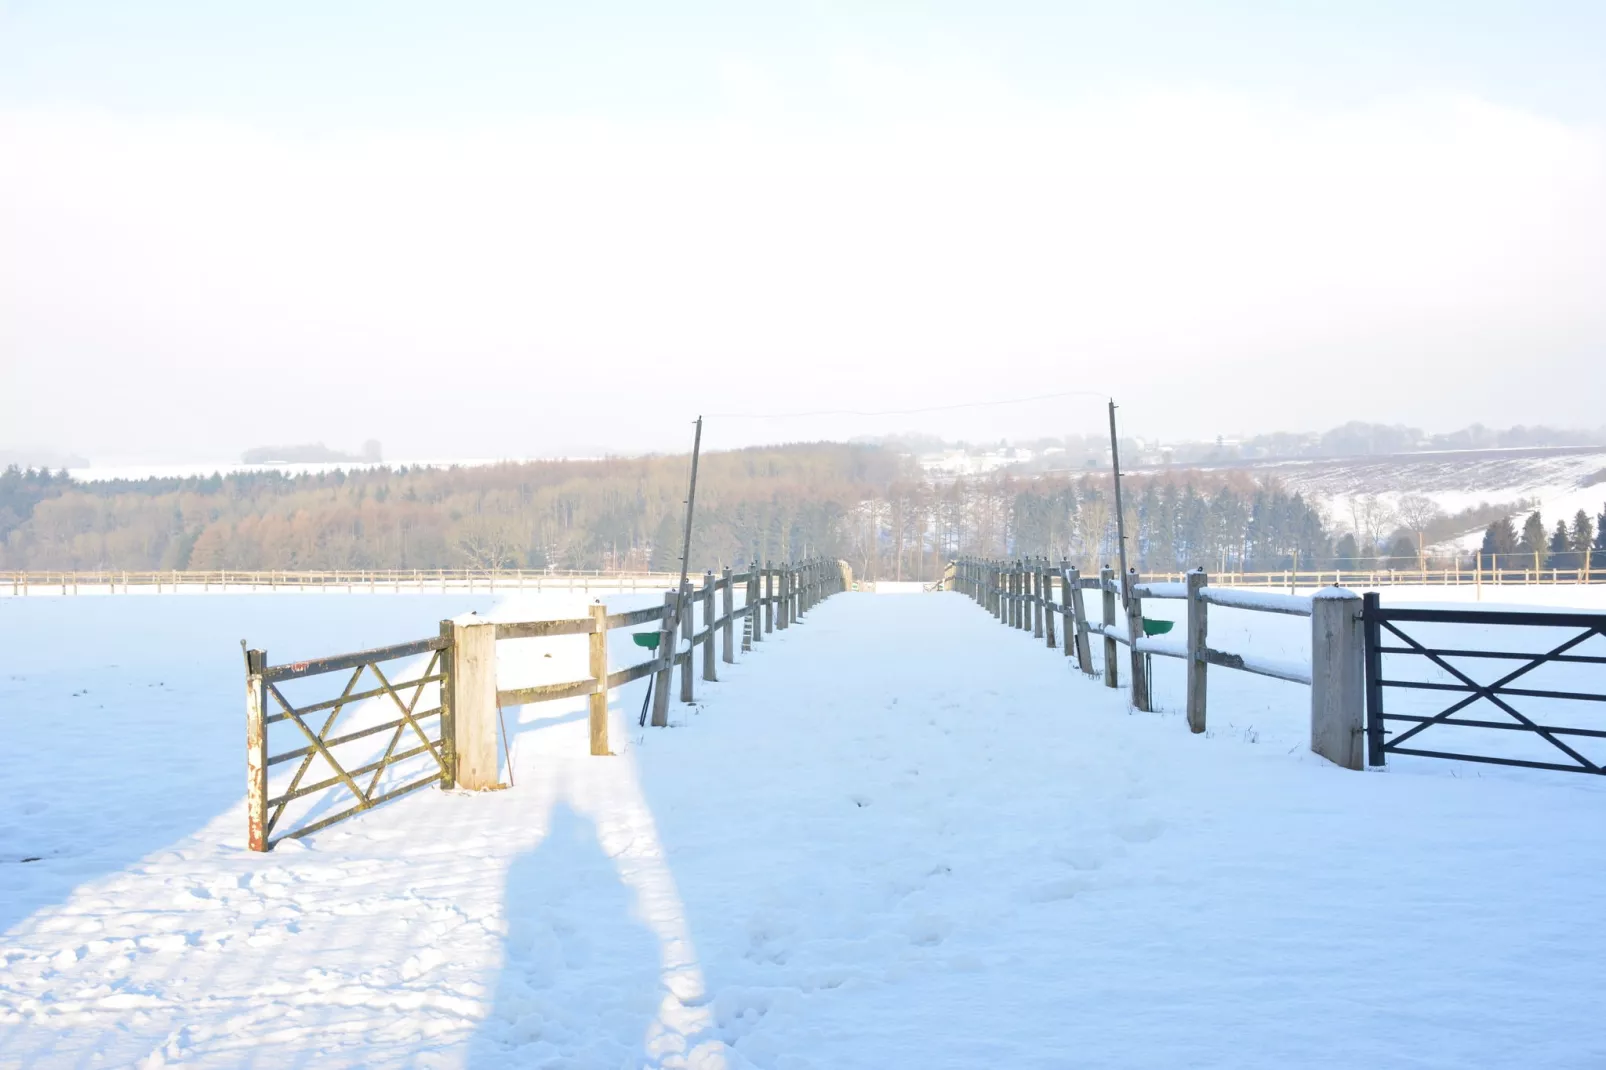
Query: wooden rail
[351, 581]
[1020, 593]
[460, 674]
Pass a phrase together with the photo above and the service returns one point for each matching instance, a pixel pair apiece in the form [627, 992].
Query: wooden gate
[358, 759]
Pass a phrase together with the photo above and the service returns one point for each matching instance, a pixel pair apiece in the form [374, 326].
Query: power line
[904, 412]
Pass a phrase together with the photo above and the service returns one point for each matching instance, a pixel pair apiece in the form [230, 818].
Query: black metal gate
[1432, 653]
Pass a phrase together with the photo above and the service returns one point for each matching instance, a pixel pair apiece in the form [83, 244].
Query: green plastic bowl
[646, 639]
[1156, 627]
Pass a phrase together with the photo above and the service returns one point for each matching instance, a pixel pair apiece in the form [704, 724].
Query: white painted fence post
[473, 683]
[1337, 677]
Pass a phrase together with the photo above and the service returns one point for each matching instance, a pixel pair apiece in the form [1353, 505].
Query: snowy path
[898, 835]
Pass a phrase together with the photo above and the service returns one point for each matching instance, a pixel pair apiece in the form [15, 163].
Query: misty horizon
[573, 235]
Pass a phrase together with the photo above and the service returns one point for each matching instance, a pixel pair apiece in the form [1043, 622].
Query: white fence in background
[350, 581]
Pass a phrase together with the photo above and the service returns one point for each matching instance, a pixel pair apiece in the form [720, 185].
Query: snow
[897, 834]
[141, 470]
[1163, 590]
[1262, 601]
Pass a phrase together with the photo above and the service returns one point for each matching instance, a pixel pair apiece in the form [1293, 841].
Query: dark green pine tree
[1531, 547]
[1499, 544]
[1558, 555]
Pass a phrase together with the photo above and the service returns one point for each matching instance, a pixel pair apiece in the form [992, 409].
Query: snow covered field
[899, 834]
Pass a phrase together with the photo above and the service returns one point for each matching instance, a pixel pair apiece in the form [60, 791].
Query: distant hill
[313, 453]
[41, 458]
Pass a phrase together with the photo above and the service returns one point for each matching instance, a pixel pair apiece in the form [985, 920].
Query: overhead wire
[903, 412]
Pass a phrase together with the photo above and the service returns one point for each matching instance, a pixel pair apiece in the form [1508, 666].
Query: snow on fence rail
[459, 731]
[1020, 593]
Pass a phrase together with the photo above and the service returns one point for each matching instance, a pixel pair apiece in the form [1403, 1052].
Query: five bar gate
[435, 719]
[1550, 681]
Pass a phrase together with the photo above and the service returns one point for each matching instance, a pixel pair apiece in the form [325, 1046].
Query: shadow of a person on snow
[580, 983]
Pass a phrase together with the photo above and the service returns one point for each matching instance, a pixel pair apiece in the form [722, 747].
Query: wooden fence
[113, 581]
[1020, 593]
[459, 732]
[346, 581]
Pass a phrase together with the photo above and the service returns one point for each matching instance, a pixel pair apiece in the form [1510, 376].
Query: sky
[480, 230]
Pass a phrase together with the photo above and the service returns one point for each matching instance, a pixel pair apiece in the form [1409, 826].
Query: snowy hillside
[897, 835]
[1558, 482]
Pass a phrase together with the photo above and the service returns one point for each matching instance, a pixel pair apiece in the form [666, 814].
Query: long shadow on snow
[580, 976]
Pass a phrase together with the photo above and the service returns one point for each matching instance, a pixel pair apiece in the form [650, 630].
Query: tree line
[865, 503]
[1566, 547]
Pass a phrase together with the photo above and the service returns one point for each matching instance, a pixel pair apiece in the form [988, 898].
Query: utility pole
[1120, 516]
[691, 499]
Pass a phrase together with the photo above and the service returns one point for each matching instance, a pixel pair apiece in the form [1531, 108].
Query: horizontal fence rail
[1021, 593]
[1562, 682]
[113, 581]
[457, 673]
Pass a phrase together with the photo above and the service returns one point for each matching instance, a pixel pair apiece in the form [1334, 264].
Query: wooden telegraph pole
[660, 708]
[1120, 516]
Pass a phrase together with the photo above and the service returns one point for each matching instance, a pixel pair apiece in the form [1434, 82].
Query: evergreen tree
[1531, 548]
[1560, 543]
[1582, 536]
[1499, 543]
[1346, 552]
[1402, 552]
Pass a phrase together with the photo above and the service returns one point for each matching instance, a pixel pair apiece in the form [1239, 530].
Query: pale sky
[477, 230]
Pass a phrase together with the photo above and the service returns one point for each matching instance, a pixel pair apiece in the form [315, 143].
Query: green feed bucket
[646, 639]
[1156, 627]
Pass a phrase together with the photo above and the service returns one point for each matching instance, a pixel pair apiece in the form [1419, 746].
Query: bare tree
[1372, 519]
[489, 541]
[1418, 513]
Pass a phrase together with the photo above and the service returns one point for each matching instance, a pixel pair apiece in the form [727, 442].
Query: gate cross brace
[1489, 691]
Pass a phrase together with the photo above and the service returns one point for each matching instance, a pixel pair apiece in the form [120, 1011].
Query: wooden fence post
[256, 751]
[1039, 598]
[599, 673]
[755, 608]
[1024, 570]
[1337, 677]
[447, 724]
[666, 667]
[688, 633]
[1067, 618]
[769, 599]
[1049, 605]
[474, 709]
[728, 606]
[1017, 596]
[1198, 632]
[1013, 618]
[1134, 630]
[708, 626]
[1084, 648]
[1107, 589]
